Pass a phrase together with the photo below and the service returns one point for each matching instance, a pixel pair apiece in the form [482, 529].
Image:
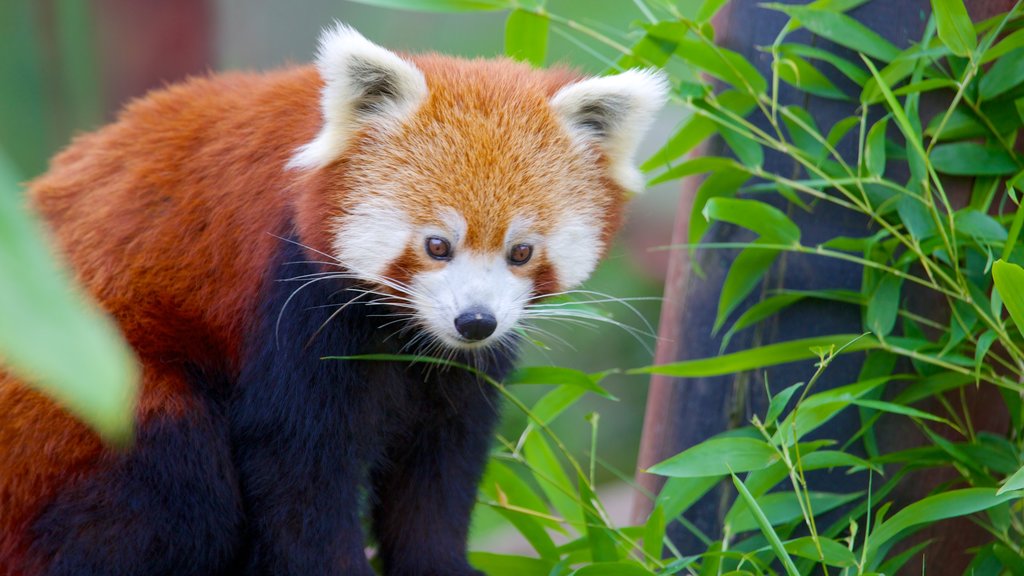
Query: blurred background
[68, 66]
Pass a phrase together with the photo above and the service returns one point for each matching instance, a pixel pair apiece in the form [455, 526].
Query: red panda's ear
[364, 84]
[614, 112]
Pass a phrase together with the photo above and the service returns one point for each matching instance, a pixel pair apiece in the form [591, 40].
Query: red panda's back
[167, 216]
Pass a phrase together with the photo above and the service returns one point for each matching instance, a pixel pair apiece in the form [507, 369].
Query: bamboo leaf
[764, 356]
[717, 457]
[972, 159]
[557, 376]
[839, 28]
[766, 528]
[1009, 280]
[602, 544]
[770, 223]
[874, 148]
[941, 506]
[955, 28]
[52, 335]
[1015, 482]
[526, 37]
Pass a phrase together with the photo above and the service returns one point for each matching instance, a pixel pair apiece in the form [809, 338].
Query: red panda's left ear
[364, 84]
[614, 112]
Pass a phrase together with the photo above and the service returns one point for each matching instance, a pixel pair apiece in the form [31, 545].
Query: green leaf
[551, 477]
[533, 532]
[504, 486]
[832, 553]
[717, 61]
[798, 72]
[526, 37]
[972, 159]
[696, 129]
[976, 224]
[717, 457]
[698, 165]
[950, 504]
[654, 533]
[52, 335]
[1006, 74]
[849, 69]
[679, 494]
[602, 543]
[747, 150]
[1015, 482]
[557, 376]
[955, 28]
[1007, 44]
[764, 356]
[779, 402]
[874, 148]
[718, 184]
[613, 569]
[783, 507]
[1009, 280]
[767, 221]
[841, 29]
[442, 5]
[884, 305]
[766, 527]
[508, 565]
[758, 312]
[744, 275]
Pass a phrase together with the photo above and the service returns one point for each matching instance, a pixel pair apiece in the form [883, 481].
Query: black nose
[475, 324]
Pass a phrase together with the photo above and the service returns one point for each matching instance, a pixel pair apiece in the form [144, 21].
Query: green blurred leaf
[798, 72]
[602, 543]
[557, 376]
[503, 485]
[679, 494]
[509, 565]
[654, 533]
[839, 28]
[1009, 280]
[766, 527]
[747, 150]
[722, 183]
[783, 507]
[758, 312]
[955, 28]
[533, 532]
[51, 335]
[832, 553]
[526, 37]
[745, 274]
[717, 457]
[848, 69]
[972, 159]
[613, 569]
[719, 62]
[779, 402]
[442, 5]
[1015, 482]
[874, 148]
[883, 305]
[764, 356]
[977, 224]
[1007, 44]
[950, 504]
[551, 477]
[770, 223]
[1007, 73]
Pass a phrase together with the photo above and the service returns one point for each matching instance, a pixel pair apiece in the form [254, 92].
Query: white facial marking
[372, 236]
[469, 280]
[573, 248]
[613, 111]
[363, 84]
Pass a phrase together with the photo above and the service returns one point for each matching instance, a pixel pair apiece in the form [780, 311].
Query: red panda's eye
[439, 248]
[520, 254]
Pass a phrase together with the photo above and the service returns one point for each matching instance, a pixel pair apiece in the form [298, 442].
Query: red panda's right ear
[363, 84]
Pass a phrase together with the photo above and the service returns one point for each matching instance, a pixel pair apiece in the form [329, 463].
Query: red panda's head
[468, 189]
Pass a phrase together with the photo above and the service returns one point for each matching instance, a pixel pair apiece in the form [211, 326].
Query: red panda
[241, 227]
